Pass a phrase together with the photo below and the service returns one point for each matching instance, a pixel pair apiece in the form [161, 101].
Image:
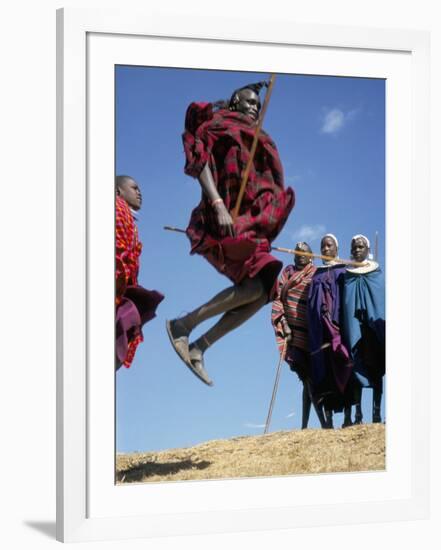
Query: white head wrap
[368, 244]
[361, 237]
[333, 237]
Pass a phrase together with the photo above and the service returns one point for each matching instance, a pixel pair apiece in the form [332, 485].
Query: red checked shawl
[128, 249]
[127, 252]
[291, 305]
[224, 139]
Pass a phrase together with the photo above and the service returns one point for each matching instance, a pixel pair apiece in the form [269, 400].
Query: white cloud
[335, 119]
[309, 233]
[249, 425]
[290, 415]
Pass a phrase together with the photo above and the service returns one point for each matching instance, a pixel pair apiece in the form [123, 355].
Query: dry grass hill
[355, 449]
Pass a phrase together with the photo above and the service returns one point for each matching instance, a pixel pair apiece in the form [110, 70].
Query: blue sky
[330, 132]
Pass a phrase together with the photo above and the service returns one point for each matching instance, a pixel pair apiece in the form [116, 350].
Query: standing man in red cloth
[134, 304]
[217, 143]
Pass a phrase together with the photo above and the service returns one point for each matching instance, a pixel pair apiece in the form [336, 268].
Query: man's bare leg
[377, 390]
[230, 321]
[231, 298]
[306, 405]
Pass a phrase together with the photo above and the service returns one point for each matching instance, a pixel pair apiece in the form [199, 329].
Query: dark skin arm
[224, 219]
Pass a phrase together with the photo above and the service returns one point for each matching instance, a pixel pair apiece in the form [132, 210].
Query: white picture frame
[86, 499]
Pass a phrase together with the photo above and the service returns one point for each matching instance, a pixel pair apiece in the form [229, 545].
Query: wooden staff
[320, 256]
[292, 251]
[235, 212]
[171, 228]
[276, 385]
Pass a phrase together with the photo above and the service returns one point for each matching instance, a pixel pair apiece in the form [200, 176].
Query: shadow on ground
[150, 469]
[48, 528]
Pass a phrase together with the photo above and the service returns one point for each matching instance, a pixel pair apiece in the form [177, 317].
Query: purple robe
[331, 364]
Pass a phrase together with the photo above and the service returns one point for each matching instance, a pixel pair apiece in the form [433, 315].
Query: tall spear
[276, 385]
[243, 184]
[292, 251]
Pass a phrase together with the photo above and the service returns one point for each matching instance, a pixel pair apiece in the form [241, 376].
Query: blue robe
[364, 325]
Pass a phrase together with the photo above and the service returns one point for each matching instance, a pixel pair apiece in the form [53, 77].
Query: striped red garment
[290, 305]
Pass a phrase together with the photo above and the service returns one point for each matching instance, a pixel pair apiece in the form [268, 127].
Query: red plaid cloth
[224, 139]
[127, 252]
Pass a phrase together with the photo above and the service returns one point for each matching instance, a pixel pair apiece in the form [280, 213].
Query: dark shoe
[329, 420]
[376, 415]
[197, 366]
[178, 341]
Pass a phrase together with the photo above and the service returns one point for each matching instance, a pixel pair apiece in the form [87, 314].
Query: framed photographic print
[349, 118]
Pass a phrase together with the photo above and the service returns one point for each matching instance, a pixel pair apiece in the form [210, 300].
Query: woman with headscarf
[364, 320]
[331, 365]
[289, 319]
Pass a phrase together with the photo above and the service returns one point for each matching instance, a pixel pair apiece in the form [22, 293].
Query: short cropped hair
[121, 180]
